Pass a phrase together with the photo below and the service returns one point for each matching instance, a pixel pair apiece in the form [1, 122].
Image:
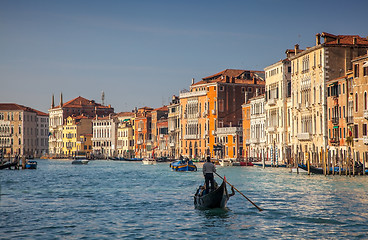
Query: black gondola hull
[215, 199]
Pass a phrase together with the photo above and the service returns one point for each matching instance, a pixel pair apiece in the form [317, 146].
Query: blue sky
[140, 53]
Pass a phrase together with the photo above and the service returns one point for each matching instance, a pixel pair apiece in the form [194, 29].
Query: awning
[335, 126]
[125, 120]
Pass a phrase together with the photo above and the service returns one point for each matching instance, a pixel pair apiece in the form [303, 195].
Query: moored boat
[183, 166]
[31, 164]
[149, 161]
[215, 199]
[130, 159]
[336, 170]
[80, 161]
[225, 162]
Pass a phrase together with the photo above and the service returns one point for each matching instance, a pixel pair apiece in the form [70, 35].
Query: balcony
[365, 140]
[271, 101]
[161, 136]
[365, 114]
[139, 129]
[213, 112]
[172, 144]
[271, 129]
[192, 136]
[254, 140]
[335, 120]
[139, 142]
[192, 94]
[230, 130]
[304, 136]
[349, 120]
[334, 142]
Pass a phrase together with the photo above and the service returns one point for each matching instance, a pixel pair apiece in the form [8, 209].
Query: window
[365, 69]
[343, 88]
[356, 70]
[356, 127]
[364, 129]
[365, 101]
[356, 102]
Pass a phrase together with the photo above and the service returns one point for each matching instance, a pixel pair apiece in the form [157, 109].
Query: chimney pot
[354, 40]
[296, 48]
[318, 39]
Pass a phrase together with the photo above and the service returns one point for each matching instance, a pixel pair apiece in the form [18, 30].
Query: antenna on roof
[103, 98]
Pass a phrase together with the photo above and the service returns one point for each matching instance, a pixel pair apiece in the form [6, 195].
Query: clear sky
[140, 53]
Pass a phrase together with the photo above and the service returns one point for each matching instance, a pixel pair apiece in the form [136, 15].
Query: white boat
[300, 170]
[149, 161]
[80, 161]
[225, 163]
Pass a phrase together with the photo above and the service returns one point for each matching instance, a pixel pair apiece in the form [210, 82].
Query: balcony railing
[139, 142]
[271, 101]
[304, 136]
[349, 120]
[139, 129]
[334, 142]
[192, 136]
[365, 114]
[365, 140]
[271, 129]
[172, 144]
[335, 120]
[254, 140]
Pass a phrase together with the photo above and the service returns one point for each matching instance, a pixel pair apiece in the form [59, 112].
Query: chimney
[109, 105]
[354, 40]
[52, 101]
[246, 97]
[338, 40]
[61, 99]
[257, 91]
[192, 81]
[296, 48]
[318, 39]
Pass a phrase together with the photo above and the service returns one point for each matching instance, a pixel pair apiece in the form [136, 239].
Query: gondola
[216, 199]
[336, 170]
[8, 165]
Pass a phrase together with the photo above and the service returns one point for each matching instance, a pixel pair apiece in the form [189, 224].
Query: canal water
[123, 200]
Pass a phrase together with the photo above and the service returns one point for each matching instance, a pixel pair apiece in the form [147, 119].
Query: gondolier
[208, 170]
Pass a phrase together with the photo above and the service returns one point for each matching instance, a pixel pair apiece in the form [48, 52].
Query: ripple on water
[114, 200]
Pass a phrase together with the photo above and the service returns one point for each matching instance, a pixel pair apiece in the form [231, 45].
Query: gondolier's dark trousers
[209, 178]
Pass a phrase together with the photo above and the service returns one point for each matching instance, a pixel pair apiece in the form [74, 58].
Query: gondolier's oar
[260, 209]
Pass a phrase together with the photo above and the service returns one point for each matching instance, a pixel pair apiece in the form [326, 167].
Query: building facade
[278, 91]
[311, 69]
[215, 102]
[360, 108]
[174, 127]
[73, 129]
[258, 150]
[58, 114]
[104, 140]
[22, 131]
[142, 134]
[125, 138]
